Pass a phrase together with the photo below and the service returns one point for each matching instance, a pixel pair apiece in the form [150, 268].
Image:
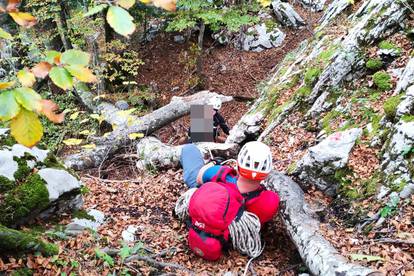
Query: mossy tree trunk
[12, 241]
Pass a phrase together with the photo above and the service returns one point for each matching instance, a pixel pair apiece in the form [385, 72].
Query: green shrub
[374, 64]
[312, 75]
[382, 80]
[5, 184]
[390, 106]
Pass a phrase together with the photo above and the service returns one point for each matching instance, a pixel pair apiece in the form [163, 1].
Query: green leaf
[369, 258]
[75, 57]
[9, 108]
[26, 128]
[4, 34]
[120, 20]
[51, 55]
[124, 252]
[28, 98]
[126, 4]
[61, 77]
[137, 247]
[26, 78]
[95, 10]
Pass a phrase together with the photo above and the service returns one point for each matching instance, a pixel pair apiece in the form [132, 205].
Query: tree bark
[319, 255]
[125, 125]
[156, 155]
[62, 25]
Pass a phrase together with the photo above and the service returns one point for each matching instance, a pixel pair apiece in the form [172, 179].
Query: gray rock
[407, 104]
[388, 54]
[333, 10]
[407, 191]
[258, 38]
[7, 165]
[179, 39]
[19, 151]
[383, 192]
[314, 5]
[407, 77]
[319, 165]
[122, 105]
[286, 15]
[402, 138]
[3, 131]
[78, 225]
[128, 235]
[248, 126]
[58, 182]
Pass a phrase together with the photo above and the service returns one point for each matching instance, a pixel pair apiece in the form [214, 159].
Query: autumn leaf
[4, 34]
[368, 258]
[74, 116]
[26, 128]
[12, 5]
[126, 4]
[81, 73]
[28, 98]
[134, 136]
[120, 20]
[5, 85]
[41, 70]
[89, 146]
[61, 77]
[9, 108]
[72, 142]
[169, 5]
[26, 78]
[75, 57]
[23, 19]
[265, 3]
[49, 108]
[52, 56]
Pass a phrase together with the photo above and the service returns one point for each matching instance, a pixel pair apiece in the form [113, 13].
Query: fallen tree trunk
[128, 124]
[318, 254]
[154, 154]
[12, 241]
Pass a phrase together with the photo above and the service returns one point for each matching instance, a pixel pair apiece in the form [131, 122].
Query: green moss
[328, 118]
[312, 75]
[345, 188]
[303, 92]
[22, 272]
[15, 241]
[386, 45]
[382, 80]
[407, 118]
[326, 55]
[370, 186]
[7, 140]
[83, 214]
[397, 186]
[374, 64]
[52, 162]
[390, 106]
[291, 168]
[23, 170]
[29, 197]
[5, 184]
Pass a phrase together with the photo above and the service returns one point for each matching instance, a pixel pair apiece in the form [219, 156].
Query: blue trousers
[191, 160]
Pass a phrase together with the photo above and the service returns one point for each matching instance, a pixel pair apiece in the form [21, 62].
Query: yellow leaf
[89, 146]
[24, 19]
[5, 85]
[85, 132]
[145, 1]
[72, 142]
[81, 73]
[169, 5]
[265, 3]
[99, 96]
[135, 135]
[26, 78]
[74, 116]
[26, 128]
[125, 113]
[126, 4]
[106, 134]
[84, 121]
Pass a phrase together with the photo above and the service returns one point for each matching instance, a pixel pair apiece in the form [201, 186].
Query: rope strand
[183, 202]
[245, 235]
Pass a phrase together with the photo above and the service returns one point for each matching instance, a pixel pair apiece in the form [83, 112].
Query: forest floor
[128, 197]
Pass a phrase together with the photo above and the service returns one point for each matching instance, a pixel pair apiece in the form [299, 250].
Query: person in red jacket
[254, 164]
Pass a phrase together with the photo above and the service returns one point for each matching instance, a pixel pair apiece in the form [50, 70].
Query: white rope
[229, 160]
[245, 235]
[181, 206]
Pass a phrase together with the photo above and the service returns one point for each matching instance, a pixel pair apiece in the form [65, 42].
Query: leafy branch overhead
[118, 17]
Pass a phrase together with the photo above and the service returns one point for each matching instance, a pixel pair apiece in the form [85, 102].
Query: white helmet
[254, 161]
[215, 102]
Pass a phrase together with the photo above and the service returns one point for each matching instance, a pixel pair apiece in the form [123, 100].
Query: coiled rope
[181, 206]
[245, 234]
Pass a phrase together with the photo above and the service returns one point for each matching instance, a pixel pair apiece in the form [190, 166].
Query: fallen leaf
[49, 108]
[24, 19]
[41, 70]
[72, 142]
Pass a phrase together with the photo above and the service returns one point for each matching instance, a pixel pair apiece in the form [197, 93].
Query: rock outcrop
[286, 14]
[319, 166]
